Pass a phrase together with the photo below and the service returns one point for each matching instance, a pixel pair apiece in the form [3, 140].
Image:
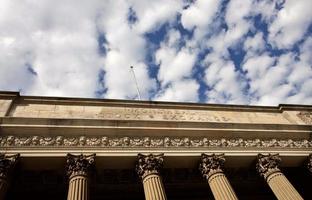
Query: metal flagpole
[136, 83]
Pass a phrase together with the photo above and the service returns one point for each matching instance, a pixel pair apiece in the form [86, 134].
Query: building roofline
[147, 103]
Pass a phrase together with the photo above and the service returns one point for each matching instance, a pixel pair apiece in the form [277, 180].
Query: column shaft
[221, 187]
[211, 168]
[282, 188]
[153, 188]
[77, 167]
[3, 187]
[78, 188]
[7, 164]
[268, 168]
[148, 168]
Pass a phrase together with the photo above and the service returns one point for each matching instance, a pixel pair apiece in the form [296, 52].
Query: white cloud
[199, 14]
[225, 82]
[152, 14]
[291, 23]
[182, 90]
[257, 66]
[174, 65]
[52, 48]
[61, 51]
[254, 45]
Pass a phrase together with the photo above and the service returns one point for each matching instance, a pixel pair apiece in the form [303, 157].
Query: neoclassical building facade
[79, 149]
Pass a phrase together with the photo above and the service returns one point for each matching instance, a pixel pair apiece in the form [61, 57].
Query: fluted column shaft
[211, 167]
[148, 167]
[3, 187]
[268, 167]
[153, 187]
[7, 164]
[77, 170]
[78, 188]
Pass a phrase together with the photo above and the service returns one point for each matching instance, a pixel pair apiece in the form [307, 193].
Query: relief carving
[306, 117]
[160, 114]
[148, 142]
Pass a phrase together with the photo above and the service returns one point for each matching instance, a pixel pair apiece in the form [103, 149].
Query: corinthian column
[309, 163]
[268, 168]
[148, 167]
[211, 167]
[7, 164]
[77, 167]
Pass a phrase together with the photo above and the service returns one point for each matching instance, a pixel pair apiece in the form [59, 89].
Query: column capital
[7, 163]
[78, 165]
[268, 164]
[211, 164]
[149, 164]
[309, 163]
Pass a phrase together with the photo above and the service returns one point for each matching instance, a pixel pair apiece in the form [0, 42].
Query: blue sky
[210, 51]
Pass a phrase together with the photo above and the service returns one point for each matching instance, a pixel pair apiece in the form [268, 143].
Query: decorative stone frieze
[149, 164]
[148, 142]
[305, 116]
[79, 164]
[211, 164]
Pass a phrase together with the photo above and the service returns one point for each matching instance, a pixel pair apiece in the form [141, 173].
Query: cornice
[154, 104]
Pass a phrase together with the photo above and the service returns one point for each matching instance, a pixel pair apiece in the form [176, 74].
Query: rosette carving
[79, 164]
[149, 164]
[268, 164]
[211, 164]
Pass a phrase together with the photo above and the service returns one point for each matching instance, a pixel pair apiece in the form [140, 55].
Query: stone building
[78, 149]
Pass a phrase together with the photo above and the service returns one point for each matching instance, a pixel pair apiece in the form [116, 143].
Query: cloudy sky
[211, 51]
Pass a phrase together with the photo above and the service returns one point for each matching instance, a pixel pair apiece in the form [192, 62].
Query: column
[148, 168]
[77, 168]
[7, 164]
[309, 163]
[211, 167]
[268, 168]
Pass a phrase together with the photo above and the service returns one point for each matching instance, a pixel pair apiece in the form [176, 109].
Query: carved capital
[309, 163]
[7, 164]
[79, 164]
[268, 164]
[149, 164]
[211, 164]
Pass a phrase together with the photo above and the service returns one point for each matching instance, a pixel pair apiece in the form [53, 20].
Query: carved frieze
[305, 116]
[148, 142]
[149, 164]
[211, 164]
[268, 164]
[79, 164]
[7, 163]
